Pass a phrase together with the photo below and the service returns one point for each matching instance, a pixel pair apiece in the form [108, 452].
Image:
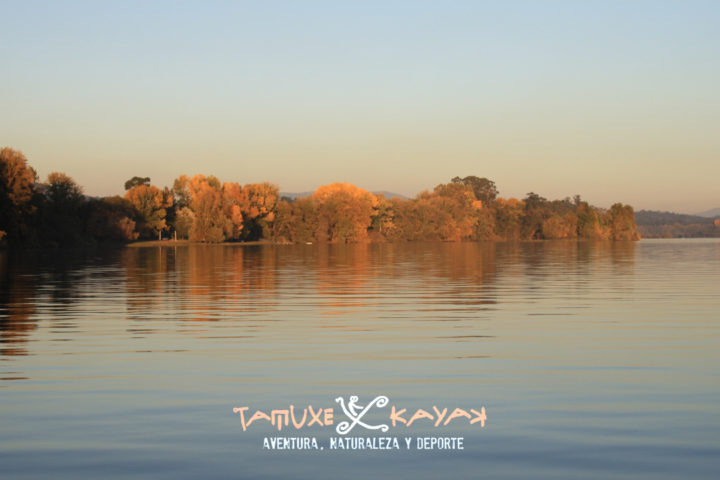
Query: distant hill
[296, 195]
[654, 224]
[389, 195]
[715, 212]
[652, 217]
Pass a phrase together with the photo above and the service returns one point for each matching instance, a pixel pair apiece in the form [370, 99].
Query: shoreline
[183, 243]
[186, 243]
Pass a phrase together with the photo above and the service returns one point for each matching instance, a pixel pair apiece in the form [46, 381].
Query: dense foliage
[204, 209]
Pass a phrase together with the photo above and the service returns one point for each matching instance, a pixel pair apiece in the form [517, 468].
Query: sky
[616, 101]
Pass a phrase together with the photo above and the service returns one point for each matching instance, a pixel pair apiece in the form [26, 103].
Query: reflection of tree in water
[459, 276]
[198, 282]
[16, 309]
[227, 282]
[46, 284]
[343, 280]
[354, 278]
[241, 282]
[622, 256]
[537, 256]
[573, 263]
[149, 284]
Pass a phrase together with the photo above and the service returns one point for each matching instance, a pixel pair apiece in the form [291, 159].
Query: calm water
[592, 360]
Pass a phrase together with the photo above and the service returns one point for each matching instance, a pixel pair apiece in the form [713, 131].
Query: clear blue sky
[617, 101]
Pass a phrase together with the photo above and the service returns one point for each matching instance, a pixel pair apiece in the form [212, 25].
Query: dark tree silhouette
[136, 182]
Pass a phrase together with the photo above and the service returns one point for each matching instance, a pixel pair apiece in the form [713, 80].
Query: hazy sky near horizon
[616, 101]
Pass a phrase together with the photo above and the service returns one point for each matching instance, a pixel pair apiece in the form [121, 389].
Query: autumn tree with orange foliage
[508, 218]
[206, 201]
[260, 203]
[203, 209]
[16, 191]
[621, 222]
[295, 221]
[558, 227]
[234, 201]
[463, 209]
[150, 204]
[449, 213]
[251, 209]
[344, 212]
[383, 221]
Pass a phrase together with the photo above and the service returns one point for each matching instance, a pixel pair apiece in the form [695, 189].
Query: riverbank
[182, 243]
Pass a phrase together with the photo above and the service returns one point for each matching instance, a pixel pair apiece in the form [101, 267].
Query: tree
[484, 189]
[63, 191]
[251, 208]
[344, 212]
[408, 219]
[259, 205]
[184, 220]
[150, 206]
[560, 226]
[233, 203]
[621, 220]
[206, 202]
[433, 218]
[181, 192]
[295, 221]
[485, 227]
[449, 213]
[508, 218]
[110, 219]
[136, 182]
[588, 222]
[382, 220]
[17, 181]
[61, 221]
[537, 210]
[460, 210]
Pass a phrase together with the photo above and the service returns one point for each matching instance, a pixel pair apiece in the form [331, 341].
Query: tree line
[654, 224]
[204, 209]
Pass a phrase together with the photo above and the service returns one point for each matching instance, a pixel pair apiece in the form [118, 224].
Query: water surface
[592, 360]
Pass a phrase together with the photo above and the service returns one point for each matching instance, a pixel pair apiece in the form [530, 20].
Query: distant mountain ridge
[296, 195]
[712, 213]
[654, 217]
[654, 224]
[389, 195]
